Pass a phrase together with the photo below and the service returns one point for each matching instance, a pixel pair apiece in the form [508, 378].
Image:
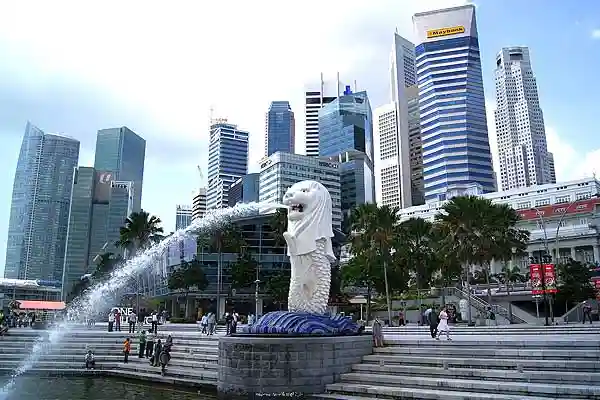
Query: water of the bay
[98, 388]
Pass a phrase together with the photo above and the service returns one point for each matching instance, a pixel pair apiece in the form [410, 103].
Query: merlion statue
[308, 238]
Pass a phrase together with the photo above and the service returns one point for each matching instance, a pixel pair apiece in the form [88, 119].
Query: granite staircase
[194, 359]
[500, 366]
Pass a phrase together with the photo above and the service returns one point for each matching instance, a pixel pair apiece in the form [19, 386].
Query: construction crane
[200, 173]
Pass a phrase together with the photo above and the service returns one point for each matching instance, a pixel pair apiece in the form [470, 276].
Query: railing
[482, 306]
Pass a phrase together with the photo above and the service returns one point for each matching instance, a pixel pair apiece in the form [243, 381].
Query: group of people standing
[152, 347]
[115, 318]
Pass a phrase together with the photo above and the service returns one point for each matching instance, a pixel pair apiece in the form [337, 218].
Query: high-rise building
[122, 152]
[99, 207]
[199, 204]
[392, 136]
[39, 213]
[281, 170]
[456, 150]
[280, 128]
[415, 147]
[316, 96]
[227, 161]
[520, 131]
[244, 190]
[346, 135]
[551, 168]
[183, 216]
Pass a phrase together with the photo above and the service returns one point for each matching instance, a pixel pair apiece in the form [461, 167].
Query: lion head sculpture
[309, 217]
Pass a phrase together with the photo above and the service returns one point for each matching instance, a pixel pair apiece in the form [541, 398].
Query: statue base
[304, 324]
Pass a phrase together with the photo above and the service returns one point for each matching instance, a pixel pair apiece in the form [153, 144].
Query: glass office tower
[280, 128]
[39, 214]
[456, 150]
[122, 152]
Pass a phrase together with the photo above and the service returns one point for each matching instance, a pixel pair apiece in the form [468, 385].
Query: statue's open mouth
[297, 207]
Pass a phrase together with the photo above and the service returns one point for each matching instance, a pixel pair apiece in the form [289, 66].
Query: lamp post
[256, 313]
[540, 262]
[540, 216]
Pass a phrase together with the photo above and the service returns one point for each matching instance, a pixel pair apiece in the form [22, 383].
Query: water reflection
[98, 388]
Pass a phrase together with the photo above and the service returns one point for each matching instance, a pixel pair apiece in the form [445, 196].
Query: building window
[523, 206]
[542, 202]
[583, 196]
[563, 199]
[583, 221]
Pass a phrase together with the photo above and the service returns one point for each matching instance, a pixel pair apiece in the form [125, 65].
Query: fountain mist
[99, 296]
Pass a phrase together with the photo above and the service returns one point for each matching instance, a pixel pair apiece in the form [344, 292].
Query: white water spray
[98, 297]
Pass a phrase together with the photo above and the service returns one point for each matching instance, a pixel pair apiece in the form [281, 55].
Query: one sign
[454, 30]
[549, 278]
[559, 209]
[124, 312]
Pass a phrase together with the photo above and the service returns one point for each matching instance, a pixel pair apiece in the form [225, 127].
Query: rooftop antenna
[212, 114]
[355, 87]
[396, 30]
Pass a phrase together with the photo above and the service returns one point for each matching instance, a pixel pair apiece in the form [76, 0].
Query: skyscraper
[551, 167]
[199, 204]
[521, 136]
[227, 161]
[316, 96]
[394, 141]
[39, 213]
[456, 150]
[99, 207]
[122, 152]
[244, 190]
[280, 128]
[183, 216]
[346, 136]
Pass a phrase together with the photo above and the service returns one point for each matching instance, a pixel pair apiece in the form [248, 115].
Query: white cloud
[568, 162]
[172, 63]
[596, 34]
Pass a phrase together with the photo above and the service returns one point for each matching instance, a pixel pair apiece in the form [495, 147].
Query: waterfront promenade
[501, 363]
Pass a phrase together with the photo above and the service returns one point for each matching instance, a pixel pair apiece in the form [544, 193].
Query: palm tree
[227, 239]
[140, 231]
[417, 243]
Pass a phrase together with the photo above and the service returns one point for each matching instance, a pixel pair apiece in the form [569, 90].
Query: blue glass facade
[456, 151]
[244, 190]
[39, 214]
[122, 152]
[227, 162]
[281, 128]
[346, 136]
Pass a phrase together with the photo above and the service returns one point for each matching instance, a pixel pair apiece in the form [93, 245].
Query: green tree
[140, 231]
[244, 271]
[574, 283]
[278, 287]
[189, 276]
[278, 223]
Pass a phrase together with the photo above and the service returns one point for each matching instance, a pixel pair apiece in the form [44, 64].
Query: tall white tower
[316, 96]
[521, 136]
[393, 139]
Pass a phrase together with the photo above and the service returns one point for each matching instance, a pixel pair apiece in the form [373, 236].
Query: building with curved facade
[199, 204]
[280, 129]
[39, 215]
[454, 135]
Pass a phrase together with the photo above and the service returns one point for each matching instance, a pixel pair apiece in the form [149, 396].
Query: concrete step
[491, 363]
[500, 330]
[498, 342]
[10, 347]
[590, 378]
[172, 371]
[116, 355]
[354, 391]
[110, 361]
[475, 385]
[449, 350]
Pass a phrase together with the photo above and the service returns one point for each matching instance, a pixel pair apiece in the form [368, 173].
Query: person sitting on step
[90, 363]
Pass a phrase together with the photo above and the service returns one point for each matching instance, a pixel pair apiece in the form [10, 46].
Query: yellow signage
[445, 31]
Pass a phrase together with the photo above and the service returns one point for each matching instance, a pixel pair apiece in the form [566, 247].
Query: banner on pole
[550, 278]
[535, 271]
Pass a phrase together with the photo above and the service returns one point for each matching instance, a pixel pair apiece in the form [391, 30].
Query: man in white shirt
[154, 327]
[111, 321]
[132, 319]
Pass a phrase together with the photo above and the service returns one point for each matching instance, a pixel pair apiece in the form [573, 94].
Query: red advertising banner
[549, 278]
[535, 271]
[559, 209]
[597, 286]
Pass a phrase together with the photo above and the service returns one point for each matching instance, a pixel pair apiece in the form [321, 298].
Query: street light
[256, 282]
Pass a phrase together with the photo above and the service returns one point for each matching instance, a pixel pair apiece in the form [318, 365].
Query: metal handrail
[482, 305]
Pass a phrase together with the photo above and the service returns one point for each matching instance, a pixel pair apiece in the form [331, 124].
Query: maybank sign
[454, 30]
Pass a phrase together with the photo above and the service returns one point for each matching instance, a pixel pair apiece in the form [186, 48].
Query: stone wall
[285, 366]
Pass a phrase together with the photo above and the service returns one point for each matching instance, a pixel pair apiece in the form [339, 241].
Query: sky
[158, 68]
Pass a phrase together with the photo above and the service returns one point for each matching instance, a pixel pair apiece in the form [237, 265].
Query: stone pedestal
[284, 367]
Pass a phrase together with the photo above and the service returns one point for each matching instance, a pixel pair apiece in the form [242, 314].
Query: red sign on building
[559, 209]
[535, 271]
[545, 272]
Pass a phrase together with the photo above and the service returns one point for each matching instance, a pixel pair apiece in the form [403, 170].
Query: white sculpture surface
[308, 238]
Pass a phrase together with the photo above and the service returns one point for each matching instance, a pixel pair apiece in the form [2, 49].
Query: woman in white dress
[443, 325]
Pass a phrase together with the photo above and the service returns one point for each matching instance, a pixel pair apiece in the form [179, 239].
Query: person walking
[377, 333]
[131, 319]
[149, 344]
[433, 323]
[142, 344]
[443, 325]
[154, 328]
[401, 321]
[211, 323]
[118, 321]
[126, 350]
[204, 324]
[228, 322]
[587, 312]
[111, 321]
